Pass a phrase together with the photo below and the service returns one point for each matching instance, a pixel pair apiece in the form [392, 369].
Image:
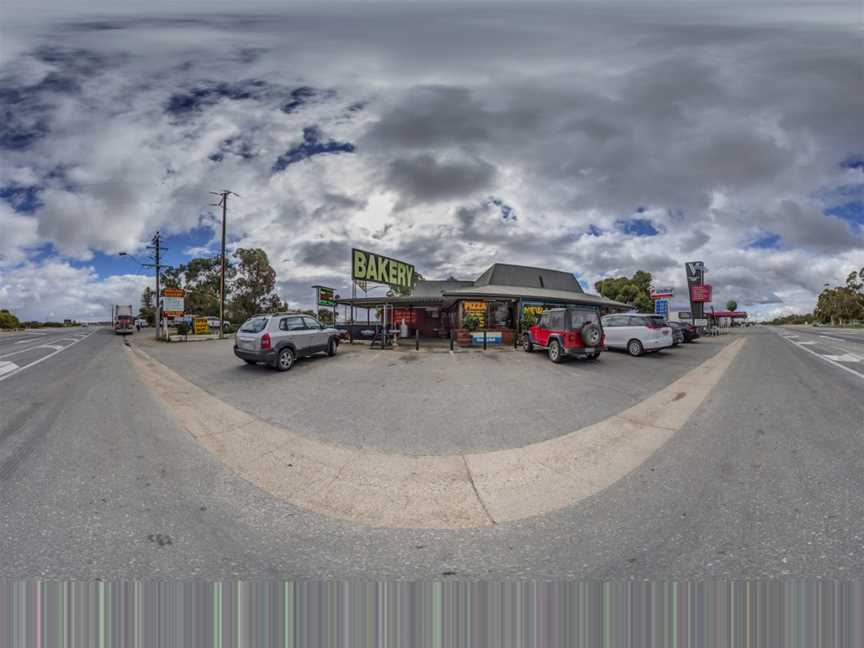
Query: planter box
[463, 337]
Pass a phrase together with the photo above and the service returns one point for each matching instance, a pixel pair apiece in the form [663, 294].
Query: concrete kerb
[455, 491]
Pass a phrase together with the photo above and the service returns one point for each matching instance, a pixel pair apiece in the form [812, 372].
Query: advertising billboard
[700, 294]
[662, 292]
[368, 266]
[661, 307]
[695, 271]
[476, 308]
[173, 302]
[325, 296]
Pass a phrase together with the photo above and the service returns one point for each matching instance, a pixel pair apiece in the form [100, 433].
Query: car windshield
[254, 325]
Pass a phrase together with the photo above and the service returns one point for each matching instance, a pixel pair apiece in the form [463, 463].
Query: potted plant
[470, 323]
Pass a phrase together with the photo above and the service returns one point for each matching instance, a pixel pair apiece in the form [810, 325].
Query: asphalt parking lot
[431, 403]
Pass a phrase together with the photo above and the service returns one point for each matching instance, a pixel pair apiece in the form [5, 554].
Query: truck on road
[123, 319]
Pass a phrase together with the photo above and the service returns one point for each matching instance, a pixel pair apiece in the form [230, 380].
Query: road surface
[766, 479]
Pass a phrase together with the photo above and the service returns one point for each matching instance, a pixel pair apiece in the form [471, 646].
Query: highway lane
[765, 480]
[845, 350]
[21, 351]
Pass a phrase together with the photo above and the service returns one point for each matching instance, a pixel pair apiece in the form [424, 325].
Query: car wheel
[594, 357]
[331, 348]
[526, 344]
[634, 348]
[285, 360]
[249, 362]
[555, 354]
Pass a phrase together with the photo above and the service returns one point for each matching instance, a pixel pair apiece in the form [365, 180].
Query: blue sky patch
[312, 145]
[175, 252]
[184, 103]
[507, 212]
[22, 199]
[593, 230]
[766, 241]
[852, 212]
[238, 147]
[637, 227]
[853, 162]
[299, 97]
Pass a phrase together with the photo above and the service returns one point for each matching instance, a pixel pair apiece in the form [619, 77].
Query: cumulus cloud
[55, 290]
[618, 137]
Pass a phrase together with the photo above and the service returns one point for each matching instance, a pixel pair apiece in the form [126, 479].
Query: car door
[541, 334]
[635, 329]
[317, 334]
[293, 330]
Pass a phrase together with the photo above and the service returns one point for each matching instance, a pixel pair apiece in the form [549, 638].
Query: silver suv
[280, 339]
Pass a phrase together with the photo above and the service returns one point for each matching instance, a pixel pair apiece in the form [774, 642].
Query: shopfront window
[500, 314]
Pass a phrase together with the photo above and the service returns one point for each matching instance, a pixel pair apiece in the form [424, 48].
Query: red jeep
[574, 332]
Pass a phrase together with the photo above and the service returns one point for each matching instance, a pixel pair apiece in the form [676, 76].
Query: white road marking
[43, 359]
[846, 357]
[828, 337]
[6, 367]
[818, 355]
[808, 342]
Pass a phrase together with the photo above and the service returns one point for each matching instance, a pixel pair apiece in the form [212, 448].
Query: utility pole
[223, 202]
[157, 248]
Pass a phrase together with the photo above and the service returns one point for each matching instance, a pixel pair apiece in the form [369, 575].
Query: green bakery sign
[368, 266]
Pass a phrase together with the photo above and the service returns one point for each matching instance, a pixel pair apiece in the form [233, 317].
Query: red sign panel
[700, 293]
[407, 314]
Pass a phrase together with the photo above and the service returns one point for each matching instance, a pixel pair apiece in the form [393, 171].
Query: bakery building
[495, 303]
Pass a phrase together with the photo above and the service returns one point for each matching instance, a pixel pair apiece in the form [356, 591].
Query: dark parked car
[689, 331]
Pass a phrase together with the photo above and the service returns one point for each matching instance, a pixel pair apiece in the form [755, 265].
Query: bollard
[417, 339]
[451, 339]
[484, 340]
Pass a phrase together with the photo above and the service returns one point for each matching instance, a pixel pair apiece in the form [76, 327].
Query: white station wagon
[637, 332]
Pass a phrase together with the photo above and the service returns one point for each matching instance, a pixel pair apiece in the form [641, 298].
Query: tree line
[836, 305]
[250, 286]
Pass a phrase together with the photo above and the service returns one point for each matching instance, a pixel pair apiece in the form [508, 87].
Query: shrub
[8, 320]
[471, 322]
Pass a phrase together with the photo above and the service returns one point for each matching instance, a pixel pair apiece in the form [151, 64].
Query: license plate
[247, 344]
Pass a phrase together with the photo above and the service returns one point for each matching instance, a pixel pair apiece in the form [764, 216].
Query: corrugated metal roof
[436, 288]
[505, 274]
[400, 300]
[539, 294]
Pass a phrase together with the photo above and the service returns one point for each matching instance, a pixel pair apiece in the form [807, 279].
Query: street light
[131, 256]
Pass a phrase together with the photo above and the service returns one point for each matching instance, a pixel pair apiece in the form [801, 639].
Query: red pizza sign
[700, 293]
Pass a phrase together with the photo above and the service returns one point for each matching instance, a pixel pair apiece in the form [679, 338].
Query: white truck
[123, 319]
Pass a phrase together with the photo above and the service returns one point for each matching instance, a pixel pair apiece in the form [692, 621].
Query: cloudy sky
[599, 138]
